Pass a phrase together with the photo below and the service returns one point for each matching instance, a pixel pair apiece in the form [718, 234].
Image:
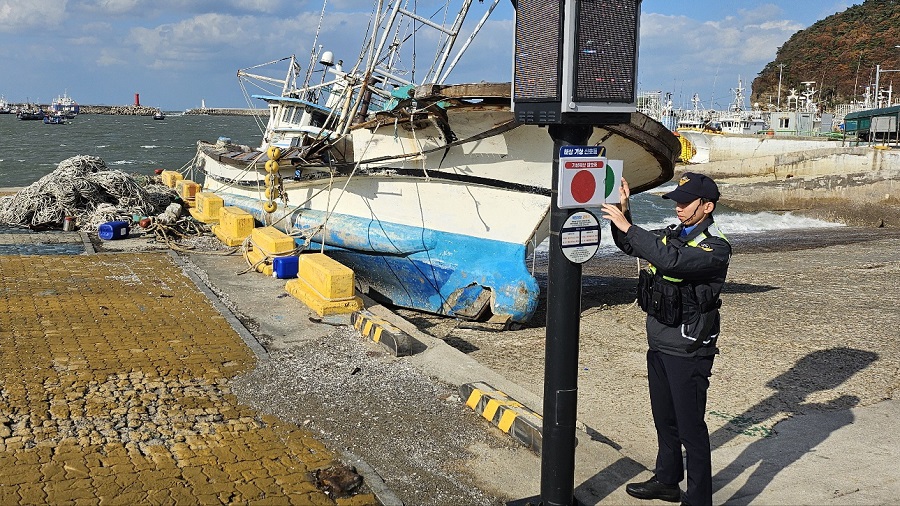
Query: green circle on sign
[610, 183]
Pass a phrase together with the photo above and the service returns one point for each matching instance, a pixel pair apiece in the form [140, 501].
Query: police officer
[679, 290]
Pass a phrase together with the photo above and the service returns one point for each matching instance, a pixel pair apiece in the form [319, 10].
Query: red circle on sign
[583, 186]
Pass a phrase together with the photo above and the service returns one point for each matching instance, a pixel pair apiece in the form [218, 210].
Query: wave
[729, 223]
[754, 222]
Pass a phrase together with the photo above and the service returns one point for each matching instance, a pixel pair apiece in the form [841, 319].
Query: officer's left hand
[616, 217]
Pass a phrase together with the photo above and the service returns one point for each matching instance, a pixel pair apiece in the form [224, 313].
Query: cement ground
[153, 378]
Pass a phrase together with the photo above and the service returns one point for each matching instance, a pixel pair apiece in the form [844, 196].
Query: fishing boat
[159, 115]
[431, 192]
[30, 112]
[54, 119]
[64, 106]
[4, 106]
[740, 133]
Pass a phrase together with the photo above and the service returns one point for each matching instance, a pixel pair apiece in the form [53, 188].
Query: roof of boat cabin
[291, 100]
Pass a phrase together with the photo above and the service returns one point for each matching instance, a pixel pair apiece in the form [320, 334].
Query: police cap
[692, 186]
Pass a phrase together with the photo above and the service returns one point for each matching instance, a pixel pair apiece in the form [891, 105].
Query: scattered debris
[83, 187]
[338, 481]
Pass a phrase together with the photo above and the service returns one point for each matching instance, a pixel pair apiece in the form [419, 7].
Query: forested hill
[839, 53]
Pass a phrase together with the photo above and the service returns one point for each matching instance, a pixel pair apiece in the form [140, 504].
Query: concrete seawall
[852, 185]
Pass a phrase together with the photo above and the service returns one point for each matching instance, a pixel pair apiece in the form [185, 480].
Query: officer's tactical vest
[665, 297]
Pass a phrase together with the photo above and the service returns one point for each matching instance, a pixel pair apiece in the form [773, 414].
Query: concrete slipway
[835, 456]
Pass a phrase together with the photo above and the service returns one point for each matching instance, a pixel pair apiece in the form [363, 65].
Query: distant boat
[159, 115]
[30, 112]
[738, 133]
[4, 106]
[54, 119]
[64, 106]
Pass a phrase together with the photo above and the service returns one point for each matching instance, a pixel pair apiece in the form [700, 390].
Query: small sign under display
[579, 237]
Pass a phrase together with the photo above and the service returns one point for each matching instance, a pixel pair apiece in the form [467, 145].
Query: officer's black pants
[678, 388]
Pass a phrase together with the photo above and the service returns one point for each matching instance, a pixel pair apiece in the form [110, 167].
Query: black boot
[653, 489]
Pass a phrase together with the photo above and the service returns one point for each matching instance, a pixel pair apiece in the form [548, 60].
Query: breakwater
[213, 111]
[852, 185]
[143, 110]
[120, 110]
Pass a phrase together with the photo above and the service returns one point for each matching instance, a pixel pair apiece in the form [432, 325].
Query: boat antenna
[713, 94]
[312, 52]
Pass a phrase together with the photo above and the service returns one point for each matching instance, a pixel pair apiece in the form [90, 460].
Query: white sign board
[579, 237]
[587, 178]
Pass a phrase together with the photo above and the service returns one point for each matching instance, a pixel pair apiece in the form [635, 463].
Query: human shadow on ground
[818, 371]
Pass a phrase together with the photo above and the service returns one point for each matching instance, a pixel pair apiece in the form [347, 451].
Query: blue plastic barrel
[112, 230]
[285, 267]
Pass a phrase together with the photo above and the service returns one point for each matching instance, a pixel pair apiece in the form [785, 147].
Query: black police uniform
[682, 301]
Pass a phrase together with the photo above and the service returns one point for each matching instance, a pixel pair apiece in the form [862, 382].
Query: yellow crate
[206, 207]
[187, 190]
[208, 204]
[234, 226]
[262, 262]
[301, 290]
[329, 277]
[271, 241]
[170, 177]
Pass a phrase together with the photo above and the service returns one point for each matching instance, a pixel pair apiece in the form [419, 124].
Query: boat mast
[466, 44]
[452, 33]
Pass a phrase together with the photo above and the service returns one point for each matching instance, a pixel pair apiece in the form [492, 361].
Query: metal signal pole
[561, 355]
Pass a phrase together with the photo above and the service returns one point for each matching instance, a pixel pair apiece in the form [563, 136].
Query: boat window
[288, 114]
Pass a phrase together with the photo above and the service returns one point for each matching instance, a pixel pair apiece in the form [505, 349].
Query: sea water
[651, 212]
[132, 144]
[140, 145]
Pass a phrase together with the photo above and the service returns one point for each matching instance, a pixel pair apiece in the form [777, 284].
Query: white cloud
[19, 15]
[709, 57]
[107, 59]
[194, 38]
[116, 8]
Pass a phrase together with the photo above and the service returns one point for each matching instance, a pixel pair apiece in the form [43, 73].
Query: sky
[178, 54]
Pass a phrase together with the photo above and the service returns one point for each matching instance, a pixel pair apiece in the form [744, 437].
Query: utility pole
[877, 86]
[547, 91]
[780, 70]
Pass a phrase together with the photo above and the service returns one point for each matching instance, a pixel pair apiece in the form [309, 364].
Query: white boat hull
[445, 230]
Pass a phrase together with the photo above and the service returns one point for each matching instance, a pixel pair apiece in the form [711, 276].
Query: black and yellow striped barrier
[380, 331]
[507, 414]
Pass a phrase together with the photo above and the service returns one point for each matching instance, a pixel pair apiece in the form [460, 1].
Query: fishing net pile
[85, 188]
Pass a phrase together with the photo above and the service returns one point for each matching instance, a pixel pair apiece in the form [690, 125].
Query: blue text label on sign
[585, 151]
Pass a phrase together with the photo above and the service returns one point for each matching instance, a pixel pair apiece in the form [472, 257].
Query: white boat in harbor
[740, 133]
[64, 106]
[431, 192]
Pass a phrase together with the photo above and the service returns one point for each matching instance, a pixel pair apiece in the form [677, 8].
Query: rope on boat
[85, 188]
[329, 209]
[268, 257]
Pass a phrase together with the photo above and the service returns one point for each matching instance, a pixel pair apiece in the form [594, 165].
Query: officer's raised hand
[616, 213]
